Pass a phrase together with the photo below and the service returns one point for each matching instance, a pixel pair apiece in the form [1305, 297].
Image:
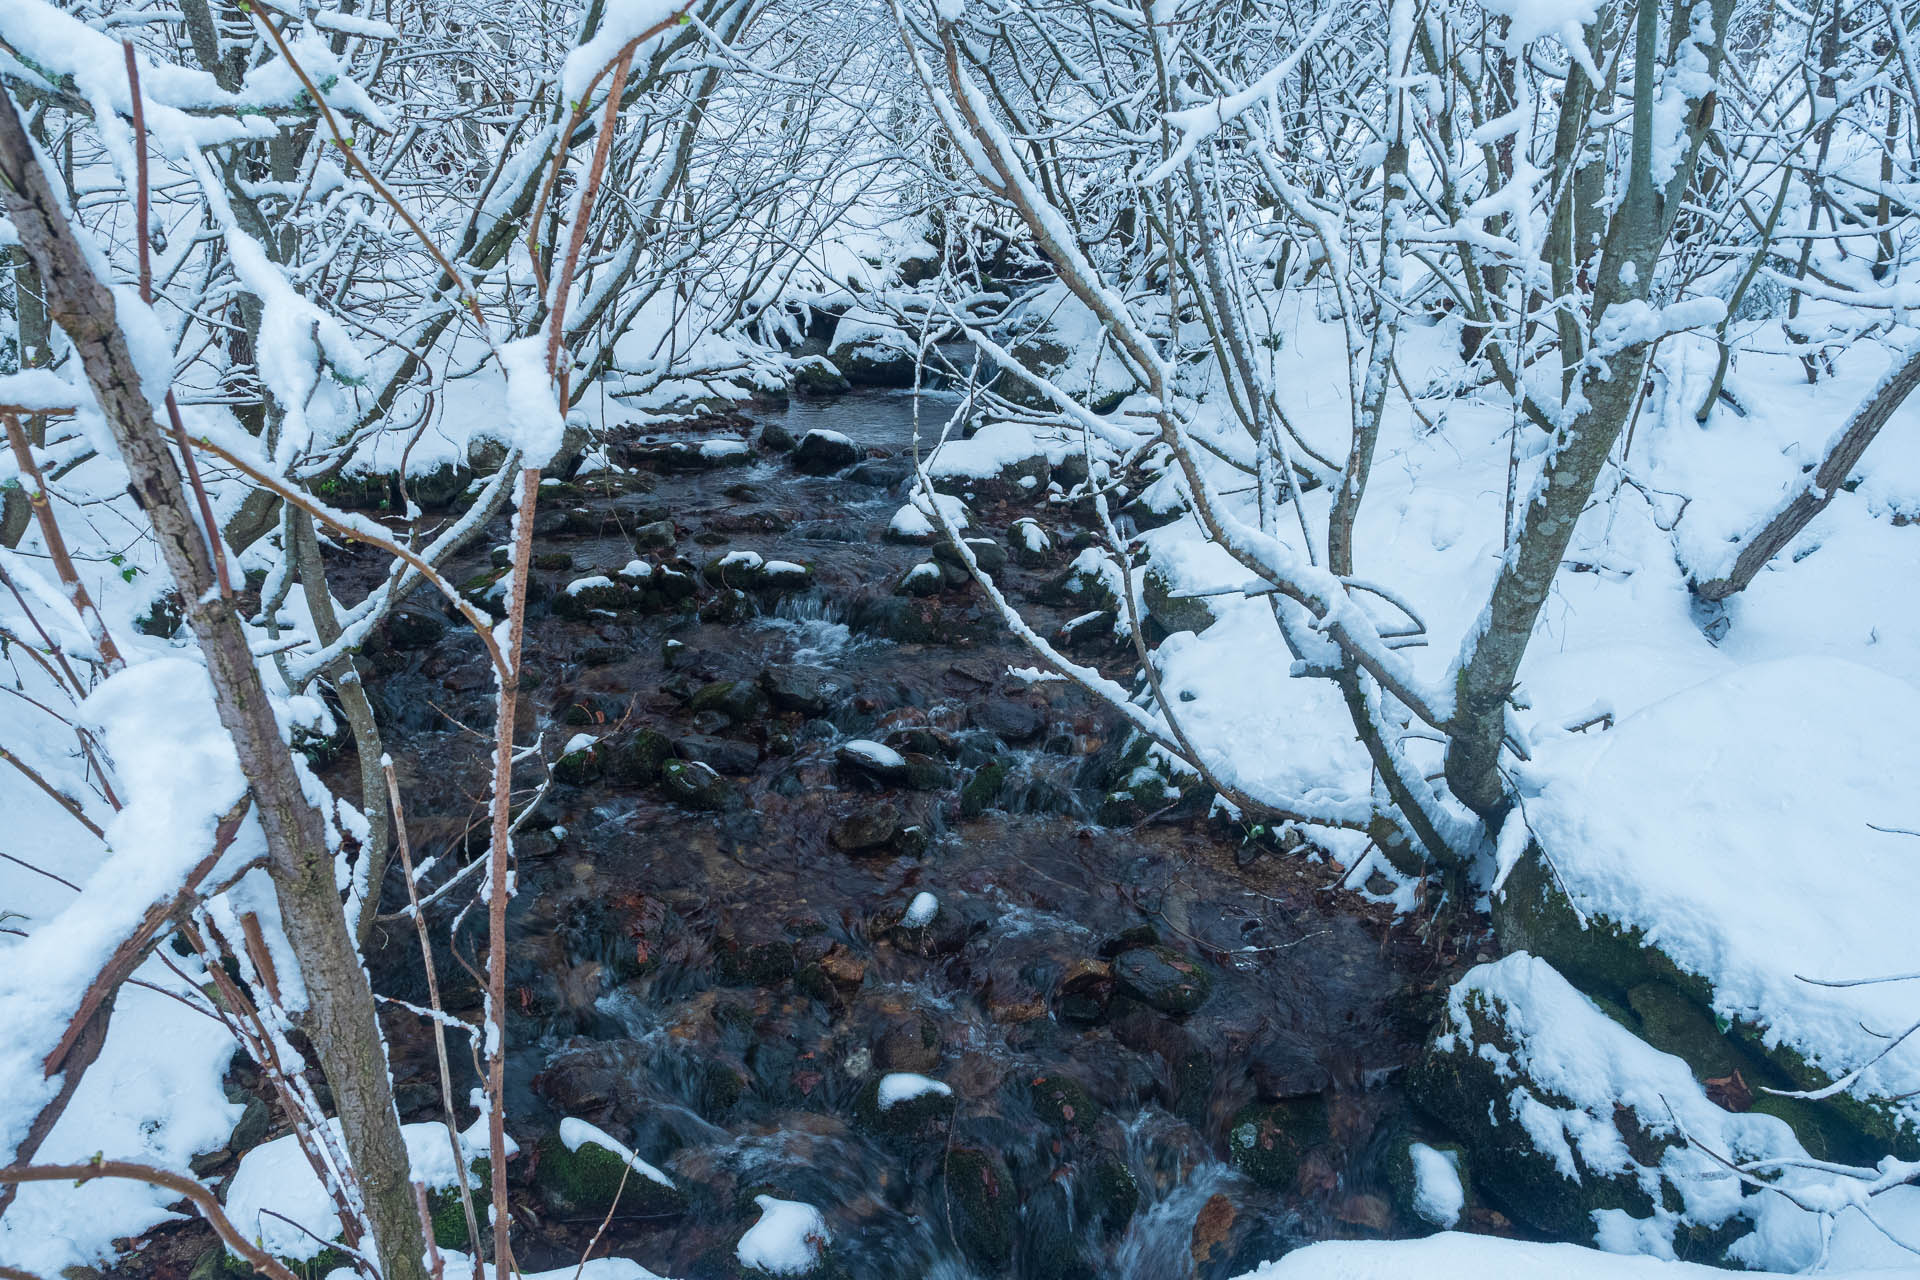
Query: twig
[204, 1200]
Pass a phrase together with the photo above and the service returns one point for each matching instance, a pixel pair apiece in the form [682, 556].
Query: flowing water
[721, 987]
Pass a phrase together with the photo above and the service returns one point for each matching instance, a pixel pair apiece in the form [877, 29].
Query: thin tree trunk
[1770, 536]
[340, 1017]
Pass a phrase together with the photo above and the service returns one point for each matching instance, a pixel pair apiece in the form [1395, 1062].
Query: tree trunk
[340, 1017]
[1771, 536]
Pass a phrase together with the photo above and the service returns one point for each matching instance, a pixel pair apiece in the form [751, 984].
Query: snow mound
[915, 519]
[1437, 1194]
[1742, 824]
[278, 1202]
[576, 1133]
[1453, 1256]
[903, 1086]
[786, 1241]
[921, 911]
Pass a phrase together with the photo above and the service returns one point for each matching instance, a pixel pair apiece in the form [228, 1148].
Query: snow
[877, 754]
[786, 1241]
[1451, 1256]
[897, 1087]
[534, 422]
[915, 519]
[276, 1199]
[624, 22]
[1437, 1194]
[177, 774]
[1735, 822]
[579, 585]
[991, 450]
[575, 1133]
[921, 911]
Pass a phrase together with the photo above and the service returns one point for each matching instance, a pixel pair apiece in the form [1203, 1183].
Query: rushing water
[720, 989]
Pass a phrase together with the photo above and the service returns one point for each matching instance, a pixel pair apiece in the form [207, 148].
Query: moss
[980, 1206]
[638, 758]
[1107, 1193]
[1267, 1140]
[982, 791]
[1606, 959]
[587, 1183]
[1062, 1104]
[1466, 1093]
[920, 1119]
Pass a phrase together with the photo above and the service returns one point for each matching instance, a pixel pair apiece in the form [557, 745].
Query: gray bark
[1770, 536]
[340, 1018]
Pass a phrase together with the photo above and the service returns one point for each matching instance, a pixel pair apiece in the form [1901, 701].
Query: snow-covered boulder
[1711, 853]
[870, 350]
[1581, 1130]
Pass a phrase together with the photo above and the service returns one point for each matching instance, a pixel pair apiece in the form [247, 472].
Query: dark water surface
[722, 988]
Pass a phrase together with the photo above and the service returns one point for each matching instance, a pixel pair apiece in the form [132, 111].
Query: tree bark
[339, 1018]
[1770, 536]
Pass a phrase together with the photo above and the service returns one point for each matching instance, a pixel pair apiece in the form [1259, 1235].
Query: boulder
[821, 453]
[1161, 978]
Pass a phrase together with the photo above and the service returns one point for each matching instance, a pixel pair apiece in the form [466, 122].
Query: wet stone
[821, 453]
[807, 690]
[1286, 1065]
[740, 701]
[725, 755]
[868, 830]
[1010, 720]
[911, 1043]
[655, 535]
[987, 553]
[1162, 979]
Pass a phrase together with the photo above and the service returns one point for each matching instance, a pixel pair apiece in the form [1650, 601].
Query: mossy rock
[982, 791]
[1172, 611]
[586, 1183]
[579, 768]
[758, 964]
[979, 1206]
[695, 785]
[1107, 1193]
[1267, 1140]
[740, 701]
[611, 597]
[1477, 1104]
[1163, 979]
[912, 1120]
[1607, 959]
[638, 758]
[449, 1216]
[1062, 1104]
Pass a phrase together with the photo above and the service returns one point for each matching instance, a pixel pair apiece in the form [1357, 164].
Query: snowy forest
[959, 639]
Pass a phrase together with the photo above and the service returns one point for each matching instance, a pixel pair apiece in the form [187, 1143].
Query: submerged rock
[1162, 979]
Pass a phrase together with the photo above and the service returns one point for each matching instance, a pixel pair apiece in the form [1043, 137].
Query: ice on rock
[921, 911]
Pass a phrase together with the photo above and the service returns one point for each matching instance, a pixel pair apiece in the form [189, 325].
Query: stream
[1159, 1062]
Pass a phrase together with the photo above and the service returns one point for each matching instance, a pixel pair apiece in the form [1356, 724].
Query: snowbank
[1745, 824]
[1462, 1257]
